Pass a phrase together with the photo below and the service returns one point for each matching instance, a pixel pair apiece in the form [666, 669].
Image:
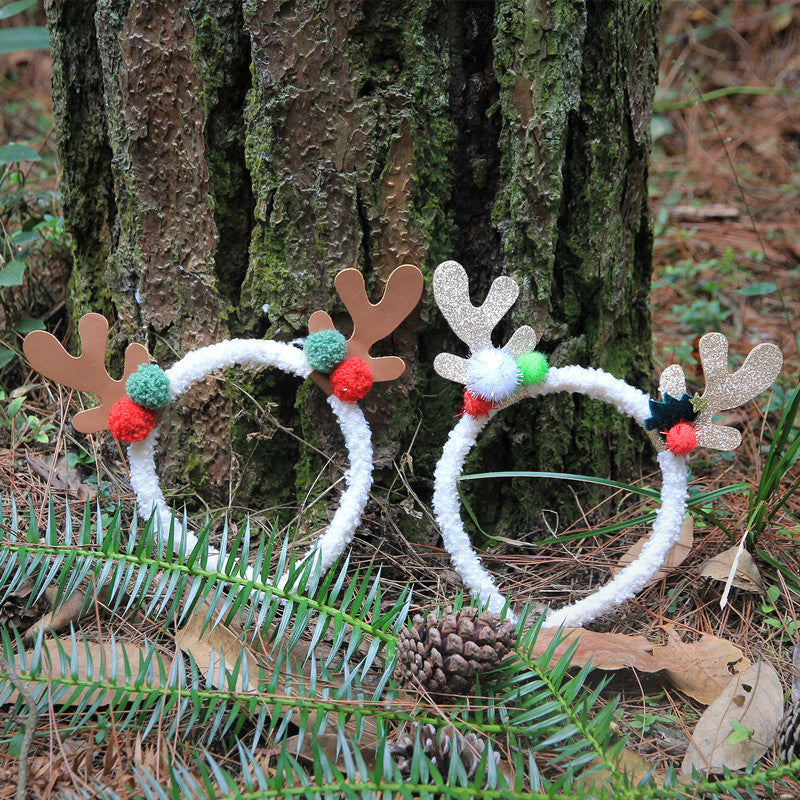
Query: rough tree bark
[222, 160]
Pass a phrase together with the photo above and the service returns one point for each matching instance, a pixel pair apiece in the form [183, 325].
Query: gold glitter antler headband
[678, 423]
[724, 390]
[474, 324]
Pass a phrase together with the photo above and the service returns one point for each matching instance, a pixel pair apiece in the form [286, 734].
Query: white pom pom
[492, 374]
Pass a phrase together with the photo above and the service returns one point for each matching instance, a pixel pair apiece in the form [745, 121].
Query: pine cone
[436, 744]
[787, 739]
[443, 655]
[17, 611]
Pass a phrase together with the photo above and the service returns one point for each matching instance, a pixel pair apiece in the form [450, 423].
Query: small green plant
[702, 285]
[771, 609]
[739, 733]
[644, 722]
[22, 428]
[28, 231]
[83, 458]
[701, 316]
[32, 232]
[770, 496]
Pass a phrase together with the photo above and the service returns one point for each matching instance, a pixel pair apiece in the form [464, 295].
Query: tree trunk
[223, 160]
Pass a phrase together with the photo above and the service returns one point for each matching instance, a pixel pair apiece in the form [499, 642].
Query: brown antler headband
[349, 380]
[87, 372]
[371, 321]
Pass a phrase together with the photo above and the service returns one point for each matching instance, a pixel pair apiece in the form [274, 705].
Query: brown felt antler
[86, 373]
[373, 321]
[724, 389]
[474, 324]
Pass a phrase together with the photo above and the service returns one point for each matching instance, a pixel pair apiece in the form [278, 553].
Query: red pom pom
[351, 380]
[476, 406]
[129, 422]
[681, 439]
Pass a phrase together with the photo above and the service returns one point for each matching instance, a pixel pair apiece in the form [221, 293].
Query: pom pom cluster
[133, 417]
[672, 418]
[494, 376]
[350, 378]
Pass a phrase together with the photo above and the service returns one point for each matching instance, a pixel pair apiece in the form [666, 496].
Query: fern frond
[310, 674]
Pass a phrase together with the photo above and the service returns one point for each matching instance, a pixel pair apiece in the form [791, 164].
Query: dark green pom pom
[149, 387]
[669, 412]
[325, 350]
[533, 367]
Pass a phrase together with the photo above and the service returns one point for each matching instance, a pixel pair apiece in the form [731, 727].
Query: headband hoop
[496, 377]
[344, 369]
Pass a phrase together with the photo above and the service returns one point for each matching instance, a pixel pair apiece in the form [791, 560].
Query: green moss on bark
[222, 55]
[87, 182]
[573, 217]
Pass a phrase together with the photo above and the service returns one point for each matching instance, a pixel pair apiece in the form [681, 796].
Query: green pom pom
[149, 387]
[325, 350]
[533, 367]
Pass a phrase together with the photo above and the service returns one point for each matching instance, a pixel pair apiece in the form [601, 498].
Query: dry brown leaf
[707, 665]
[747, 575]
[68, 612]
[612, 651]
[754, 699]
[211, 645]
[605, 650]
[677, 555]
[629, 762]
[61, 477]
[98, 654]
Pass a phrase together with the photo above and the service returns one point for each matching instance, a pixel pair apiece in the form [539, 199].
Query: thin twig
[29, 725]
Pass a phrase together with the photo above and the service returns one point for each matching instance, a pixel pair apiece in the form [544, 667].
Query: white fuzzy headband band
[495, 377]
[344, 369]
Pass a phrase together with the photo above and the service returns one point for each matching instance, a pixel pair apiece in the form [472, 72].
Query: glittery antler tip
[474, 324]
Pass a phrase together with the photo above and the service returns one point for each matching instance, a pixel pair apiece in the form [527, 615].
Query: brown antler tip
[408, 278]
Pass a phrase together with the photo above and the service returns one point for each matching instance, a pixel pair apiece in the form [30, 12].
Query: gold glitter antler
[86, 373]
[724, 389]
[474, 324]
